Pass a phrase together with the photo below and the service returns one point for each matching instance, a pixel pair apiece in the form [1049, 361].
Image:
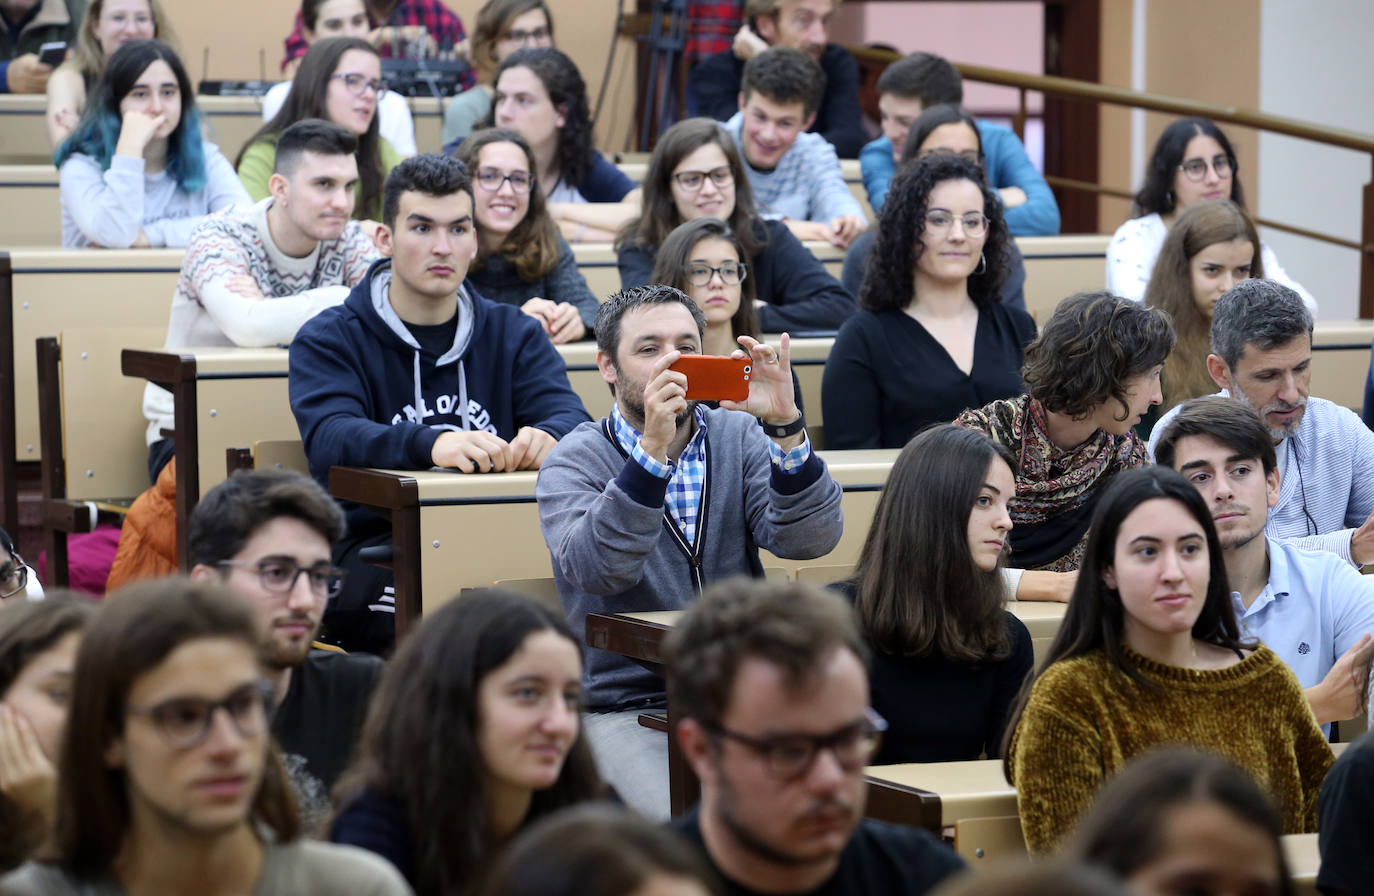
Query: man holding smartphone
[29, 24]
[644, 508]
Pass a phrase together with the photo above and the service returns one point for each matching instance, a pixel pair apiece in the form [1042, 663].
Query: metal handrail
[1137, 99]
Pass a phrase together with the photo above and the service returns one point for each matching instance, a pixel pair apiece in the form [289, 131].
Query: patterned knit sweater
[1086, 719]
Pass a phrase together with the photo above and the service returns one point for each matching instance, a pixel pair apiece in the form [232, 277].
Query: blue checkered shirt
[688, 475]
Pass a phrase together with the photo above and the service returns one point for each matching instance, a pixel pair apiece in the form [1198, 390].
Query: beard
[278, 654]
[1277, 433]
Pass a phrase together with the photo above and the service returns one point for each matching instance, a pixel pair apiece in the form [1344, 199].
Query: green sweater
[255, 170]
[1086, 719]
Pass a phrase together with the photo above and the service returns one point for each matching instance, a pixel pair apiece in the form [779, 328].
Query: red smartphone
[712, 378]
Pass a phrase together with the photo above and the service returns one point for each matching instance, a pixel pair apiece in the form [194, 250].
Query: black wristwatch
[787, 429]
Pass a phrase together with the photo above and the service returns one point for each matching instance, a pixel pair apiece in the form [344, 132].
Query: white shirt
[394, 121]
[1134, 247]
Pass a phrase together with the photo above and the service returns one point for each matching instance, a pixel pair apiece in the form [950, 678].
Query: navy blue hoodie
[366, 395]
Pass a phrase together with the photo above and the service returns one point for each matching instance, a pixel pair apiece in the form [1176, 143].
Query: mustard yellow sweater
[1086, 719]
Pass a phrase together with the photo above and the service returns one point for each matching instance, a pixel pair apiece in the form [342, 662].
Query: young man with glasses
[1310, 607]
[1262, 356]
[769, 686]
[17, 581]
[804, 25]
[416, 370]
[647, 506]
[795, 176]
[268, 536]
[173, 785]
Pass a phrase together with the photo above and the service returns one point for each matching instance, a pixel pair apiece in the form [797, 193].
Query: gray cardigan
[615, 551]
[498, 281]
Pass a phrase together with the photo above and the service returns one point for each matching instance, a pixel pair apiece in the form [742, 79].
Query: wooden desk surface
[973, 789]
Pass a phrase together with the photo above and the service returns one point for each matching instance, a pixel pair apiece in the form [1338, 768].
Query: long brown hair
[420, 744]
[307, 99]
[918, 592]
[493, 19]
[134, 632]
[659, 216]
[532, 245]
[1171, 290]
[90, 58]
[670, 268]
[28, 630]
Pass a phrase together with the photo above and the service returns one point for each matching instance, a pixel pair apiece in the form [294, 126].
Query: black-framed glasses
[185, 722]
[691, 181]
[791, 755]
[732, 273]
[534, 35]
[492, 179]
[14, 577]
[279, 576]
[358, 84]
[939, 221]
[1196, 169]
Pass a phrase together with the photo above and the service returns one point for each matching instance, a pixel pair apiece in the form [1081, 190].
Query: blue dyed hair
[98, 131]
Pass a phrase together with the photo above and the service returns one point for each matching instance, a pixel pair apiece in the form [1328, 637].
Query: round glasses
[358, 84]
[789, 756]
[14, 578]
[491, 180]
[939, 222]
[691, 181]
[533, 36]
[185, 722]
[279, 576]
[1196, 169]
[731, 273]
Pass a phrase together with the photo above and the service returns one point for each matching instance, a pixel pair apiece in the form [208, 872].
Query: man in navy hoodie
[415, 370]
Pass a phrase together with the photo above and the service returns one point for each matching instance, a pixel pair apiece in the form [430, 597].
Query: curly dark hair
[568, 93]
[890, 283]
[1089, 347]
[784, 76]
[1156, 195]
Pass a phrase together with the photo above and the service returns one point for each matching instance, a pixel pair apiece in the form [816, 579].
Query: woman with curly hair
[696, 172]
[521, 258]
[933, 338]
[540, 94]
[1211, 247]
[1192, 161]
[1091, 374]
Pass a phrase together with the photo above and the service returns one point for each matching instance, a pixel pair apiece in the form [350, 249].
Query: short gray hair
[1262, 313]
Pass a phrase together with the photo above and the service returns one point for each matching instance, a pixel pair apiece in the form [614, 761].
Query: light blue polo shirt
[1313, 609]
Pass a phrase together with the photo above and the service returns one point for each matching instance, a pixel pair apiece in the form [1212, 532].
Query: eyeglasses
[358, 84]
[731, 273]
[790, 755]
[492, 180]
[185, 722]
[1196, 169]
[14, 578]
[691, 181]
[971, 155]
[279, 576]
[939, 222]
[534, 35]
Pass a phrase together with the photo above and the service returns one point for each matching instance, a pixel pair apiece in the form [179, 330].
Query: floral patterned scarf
[1056, 489]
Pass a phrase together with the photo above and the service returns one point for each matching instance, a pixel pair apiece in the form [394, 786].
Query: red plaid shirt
[711, 28]
[441, 22]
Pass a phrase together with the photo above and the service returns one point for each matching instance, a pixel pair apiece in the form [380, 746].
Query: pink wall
[1004, 35]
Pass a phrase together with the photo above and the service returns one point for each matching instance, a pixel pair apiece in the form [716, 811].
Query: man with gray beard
[1262, 356]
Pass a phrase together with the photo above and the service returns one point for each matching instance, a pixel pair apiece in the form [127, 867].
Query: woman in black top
[932, 339]
[695, 172]
[948, 660]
